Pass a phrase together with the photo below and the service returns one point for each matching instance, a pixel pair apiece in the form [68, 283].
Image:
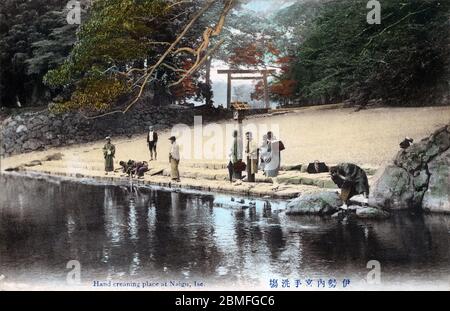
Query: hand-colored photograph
[224, 145]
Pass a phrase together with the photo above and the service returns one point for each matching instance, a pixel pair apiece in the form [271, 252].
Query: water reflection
[116, 232]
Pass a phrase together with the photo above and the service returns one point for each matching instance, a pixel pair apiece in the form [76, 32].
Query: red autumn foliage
[258, 93]
[188, 88]
[284, 88]
[249, 55]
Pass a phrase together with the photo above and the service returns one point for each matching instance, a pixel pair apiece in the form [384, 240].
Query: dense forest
[34, 37]
[126, 50]
[402, 60]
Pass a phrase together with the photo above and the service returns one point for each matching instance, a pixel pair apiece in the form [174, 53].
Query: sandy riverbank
[368, 138]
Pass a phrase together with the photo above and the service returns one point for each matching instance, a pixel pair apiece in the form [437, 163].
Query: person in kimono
[263, 153]
[141, 169]
[124, 167]
[174, 159]
[251, 151]
[109, 152]
[272, 157]
[352, 180]
[235, 158]
[152, 140]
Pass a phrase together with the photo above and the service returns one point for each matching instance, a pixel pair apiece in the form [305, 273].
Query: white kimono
[272, 159]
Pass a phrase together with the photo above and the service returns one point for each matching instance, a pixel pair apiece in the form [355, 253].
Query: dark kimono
[355, 182]
[141, 169]
[109, 151]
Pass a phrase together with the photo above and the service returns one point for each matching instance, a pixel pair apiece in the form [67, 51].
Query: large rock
[393, 190]
[418, 177]
[437, 197]
[321, 203]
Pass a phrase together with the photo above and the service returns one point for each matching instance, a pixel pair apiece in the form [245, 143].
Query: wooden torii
[264, 75]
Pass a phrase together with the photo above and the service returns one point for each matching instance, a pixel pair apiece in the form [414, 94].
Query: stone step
[209, 165]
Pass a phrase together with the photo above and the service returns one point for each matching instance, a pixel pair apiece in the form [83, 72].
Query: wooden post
[229, 91]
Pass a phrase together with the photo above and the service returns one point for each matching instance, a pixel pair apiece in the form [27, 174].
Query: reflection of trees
[412, 238]
[182, 237]
[55, 222]
[402, 241]
[249, 235]
[275, 239]
[109, 230]
[251, 238]
[240, 232]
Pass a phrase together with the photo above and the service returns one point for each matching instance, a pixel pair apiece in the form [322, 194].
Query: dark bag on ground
[240, 166]
[317, 168]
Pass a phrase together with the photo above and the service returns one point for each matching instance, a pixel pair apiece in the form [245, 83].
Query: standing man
[235, 163]
[252, 157]
[174, 159]
[152, 140]
[109, 151]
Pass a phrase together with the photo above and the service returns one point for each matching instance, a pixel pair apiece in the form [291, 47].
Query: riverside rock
[418, 177]
[437, 196]
[320, 203]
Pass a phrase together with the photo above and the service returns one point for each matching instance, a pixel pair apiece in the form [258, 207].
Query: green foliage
[345, 57]
[294, 24]
[52, 51]
[117, 36]
[34, 37]
[95, 92]
[118, 31]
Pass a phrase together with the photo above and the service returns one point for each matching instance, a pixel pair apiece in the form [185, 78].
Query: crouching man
[352, 180]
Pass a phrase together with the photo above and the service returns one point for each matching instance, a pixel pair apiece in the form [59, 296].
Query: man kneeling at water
[352, 180]
[140, 169]
[133, 168]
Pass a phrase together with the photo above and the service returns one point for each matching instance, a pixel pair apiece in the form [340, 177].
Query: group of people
[266, 157]
[135, 168]
[350, 178]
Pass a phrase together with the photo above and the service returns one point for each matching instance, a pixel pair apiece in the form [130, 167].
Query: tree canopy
[34, 37]
[344, 57]
[128, 44]
[131, 50]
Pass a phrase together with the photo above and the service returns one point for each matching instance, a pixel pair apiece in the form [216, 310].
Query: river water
[125, 238]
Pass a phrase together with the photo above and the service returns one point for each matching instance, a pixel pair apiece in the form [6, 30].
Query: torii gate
[264, 75]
